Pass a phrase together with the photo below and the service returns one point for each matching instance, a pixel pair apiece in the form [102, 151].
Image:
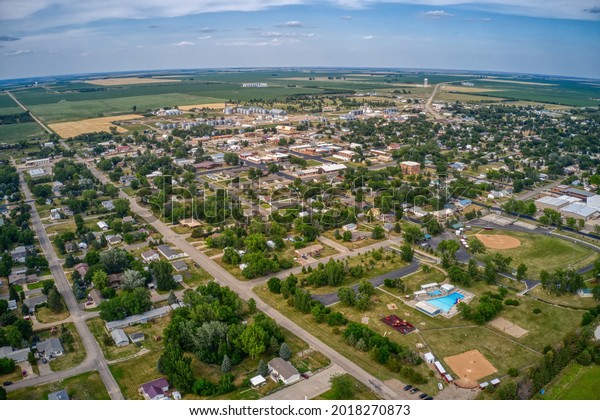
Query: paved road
[331, 298]
[244, 290]
[94, 358]
[307, 388]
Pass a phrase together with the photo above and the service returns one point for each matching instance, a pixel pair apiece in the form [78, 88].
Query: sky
[57, 37]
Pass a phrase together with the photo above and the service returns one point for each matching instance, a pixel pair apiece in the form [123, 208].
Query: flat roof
[580, 209]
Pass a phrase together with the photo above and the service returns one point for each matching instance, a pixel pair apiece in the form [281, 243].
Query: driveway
[307, 388]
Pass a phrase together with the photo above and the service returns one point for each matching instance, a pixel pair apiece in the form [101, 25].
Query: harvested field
[499, 241]
[469, 366]
[466, 89]
[128, 81]
[74, 128]
[218, 105]
[508, 327]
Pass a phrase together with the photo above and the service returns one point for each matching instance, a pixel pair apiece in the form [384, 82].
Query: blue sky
[52, 37]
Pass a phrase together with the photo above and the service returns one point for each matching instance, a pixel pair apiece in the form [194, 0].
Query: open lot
[74, 128]
[87, 386]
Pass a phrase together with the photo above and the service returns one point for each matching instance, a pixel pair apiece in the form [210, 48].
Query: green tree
[226, 364]
[342, 387]
[252, 340]
[412, 234]
[521, 271]
[378, 233]
[448, 248]
[100, 280]
[132, 279]
[284, 351]
[366, 288]
[252, 305]
[55, 302]
[2, 393]
[347, 296]
[476, 246]
[172, 298]
[406, 252]
[347, 236]
[163, 274]
[263, 368]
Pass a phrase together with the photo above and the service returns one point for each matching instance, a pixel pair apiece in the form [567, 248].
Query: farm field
[74, 128]
[14, 133]
[115, 81]
[87, 386]
[576, 382]
[541, 252]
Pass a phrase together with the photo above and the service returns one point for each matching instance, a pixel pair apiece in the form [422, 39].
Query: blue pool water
[447, 302]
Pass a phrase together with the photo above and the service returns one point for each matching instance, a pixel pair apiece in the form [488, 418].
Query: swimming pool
[447, 302]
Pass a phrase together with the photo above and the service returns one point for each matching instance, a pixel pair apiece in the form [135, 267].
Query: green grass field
[13, 133]
[361, 392]
[576, 382]
[87, 386]
[541, 252]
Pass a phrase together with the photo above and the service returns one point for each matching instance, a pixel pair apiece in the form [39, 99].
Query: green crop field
[13, 133]
[564, 92]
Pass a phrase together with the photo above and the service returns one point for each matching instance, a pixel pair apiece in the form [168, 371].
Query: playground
[398, 324]
[469, 367]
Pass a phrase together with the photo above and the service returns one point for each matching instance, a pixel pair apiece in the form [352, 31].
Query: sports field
[542, 252]
[576, 382]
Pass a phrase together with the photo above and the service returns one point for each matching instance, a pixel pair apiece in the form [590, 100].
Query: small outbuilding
[119, 337]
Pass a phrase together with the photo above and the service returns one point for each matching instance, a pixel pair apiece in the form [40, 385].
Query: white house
[150, 255]
[119, 337]
[280, 370]
[169, 253]
[102, 225]
[50, 348]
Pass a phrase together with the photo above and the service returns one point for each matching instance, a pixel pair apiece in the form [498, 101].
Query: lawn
[46, 316]
[87, 386]
[60, 228]
[361, 392]
[576, 382]
[545, 328]
[500, 351]
[541, 252]
[415, 280]
[573, 301]
[74, 354]
[13, 133]
[134, 372]
[195, 276]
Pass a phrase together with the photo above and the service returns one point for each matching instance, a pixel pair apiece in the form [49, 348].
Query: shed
[59, 395]
[439, 368]
[447, 287]
[495, 381]
[137, 337]
[429, 357]
[428, 286]
[257, 381]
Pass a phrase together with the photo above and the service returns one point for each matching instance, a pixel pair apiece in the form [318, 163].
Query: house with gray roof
[34, 301]
[119, 337]
[18, 356]
[59, 395]
[281, 370]
[50, 348]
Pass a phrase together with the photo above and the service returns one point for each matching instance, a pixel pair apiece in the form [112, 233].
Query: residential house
[179, 266]
[82, 268]
[119, 337]
[59, 395]
[19, 254]
[50, 348]
[12, 305]
[17, 278]
[102, 225]
[139, 319]
[94, 298]
[309, 250]
[155, 390]
[150, 255]
[280, 370]
[114, 280]
[34, 301]
[169, 253]
[19, 355]
[108, 205]
[114, 239]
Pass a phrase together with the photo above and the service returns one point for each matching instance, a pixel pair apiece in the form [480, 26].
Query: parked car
[428, 398]
[440, 386]
[423, 395]
[44, 360]
[24, 373]
[407, 387]
[7, 383]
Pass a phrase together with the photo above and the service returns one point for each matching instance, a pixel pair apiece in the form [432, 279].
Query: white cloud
[184, 44]
[207, 30]
[245, 43]
[368, 37]
[346, 17]
[205, 37]
[18, 52]
[44, 13]
[292, 24]
[437, 14]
